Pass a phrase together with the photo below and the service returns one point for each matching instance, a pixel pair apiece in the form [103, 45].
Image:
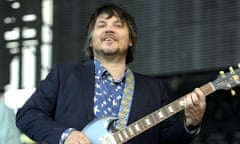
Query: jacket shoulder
[71, 66]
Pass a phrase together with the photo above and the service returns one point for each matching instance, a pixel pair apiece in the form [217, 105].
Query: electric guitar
[99, 131]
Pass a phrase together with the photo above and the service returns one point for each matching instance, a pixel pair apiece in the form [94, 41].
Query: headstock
[228, 80]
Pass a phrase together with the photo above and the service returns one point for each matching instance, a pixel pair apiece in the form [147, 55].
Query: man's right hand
[77, 137]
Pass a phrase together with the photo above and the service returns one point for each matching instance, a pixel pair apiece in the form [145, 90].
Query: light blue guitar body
[99, 128]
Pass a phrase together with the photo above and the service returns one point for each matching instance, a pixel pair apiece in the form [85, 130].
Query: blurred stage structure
[25, 48]
[25, 42]
[183, 42]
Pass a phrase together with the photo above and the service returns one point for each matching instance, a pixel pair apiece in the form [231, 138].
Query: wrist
[65, 134]
[193, 127]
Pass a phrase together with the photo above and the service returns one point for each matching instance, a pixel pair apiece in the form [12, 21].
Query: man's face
[110, 37]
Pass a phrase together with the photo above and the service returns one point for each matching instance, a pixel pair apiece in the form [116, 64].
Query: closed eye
[119, 24]
[100, 24]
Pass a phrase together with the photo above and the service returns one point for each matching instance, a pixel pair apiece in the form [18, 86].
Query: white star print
[96, 110]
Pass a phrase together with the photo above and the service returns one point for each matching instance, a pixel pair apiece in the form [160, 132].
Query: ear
[90, 43]
[130, 44]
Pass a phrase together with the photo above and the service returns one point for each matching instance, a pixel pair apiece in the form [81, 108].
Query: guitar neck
[156, 117]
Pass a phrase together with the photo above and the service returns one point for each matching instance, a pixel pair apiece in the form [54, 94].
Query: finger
[82, 139]
[193, 103]
[194, 98]
[85, 138]
[188, 101]
[200, 94]
[82, 142]
[77, 137]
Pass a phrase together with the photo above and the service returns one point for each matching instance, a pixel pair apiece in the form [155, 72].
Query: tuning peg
[221, 72]
[231, 69]
[233, 92]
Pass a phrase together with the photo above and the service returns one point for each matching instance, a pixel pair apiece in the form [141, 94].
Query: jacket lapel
[88, 86]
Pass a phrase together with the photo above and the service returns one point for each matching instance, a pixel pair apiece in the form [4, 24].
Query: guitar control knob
[233, 92]
[231, 69]
[221, 72]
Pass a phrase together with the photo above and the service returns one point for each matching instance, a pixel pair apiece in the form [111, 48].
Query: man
[72, 95]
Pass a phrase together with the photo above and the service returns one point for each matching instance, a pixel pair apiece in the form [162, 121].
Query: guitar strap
[126, 102]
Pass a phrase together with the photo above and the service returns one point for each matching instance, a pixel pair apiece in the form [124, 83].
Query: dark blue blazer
[65, 99]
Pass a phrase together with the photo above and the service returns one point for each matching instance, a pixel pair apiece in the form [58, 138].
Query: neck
[115, 68]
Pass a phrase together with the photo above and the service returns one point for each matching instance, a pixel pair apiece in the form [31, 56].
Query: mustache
[110, 35]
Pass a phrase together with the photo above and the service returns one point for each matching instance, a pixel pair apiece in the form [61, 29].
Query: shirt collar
[100, 71]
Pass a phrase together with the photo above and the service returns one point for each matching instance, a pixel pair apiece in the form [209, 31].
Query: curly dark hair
[112, 10]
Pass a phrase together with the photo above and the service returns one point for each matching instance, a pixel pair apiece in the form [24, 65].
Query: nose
[109, 29]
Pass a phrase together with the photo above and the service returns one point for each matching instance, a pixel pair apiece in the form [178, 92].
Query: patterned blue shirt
[108, 92]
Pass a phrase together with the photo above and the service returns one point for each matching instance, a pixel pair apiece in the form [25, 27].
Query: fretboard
[156, 117]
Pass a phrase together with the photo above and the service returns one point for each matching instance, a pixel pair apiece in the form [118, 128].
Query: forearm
[38, 126]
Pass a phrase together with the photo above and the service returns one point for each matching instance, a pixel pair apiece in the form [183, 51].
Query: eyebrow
[103, 20]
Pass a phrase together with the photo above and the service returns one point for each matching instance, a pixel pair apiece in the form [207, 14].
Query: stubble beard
[110, 55]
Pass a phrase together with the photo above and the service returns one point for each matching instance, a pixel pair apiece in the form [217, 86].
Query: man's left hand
[195, 106]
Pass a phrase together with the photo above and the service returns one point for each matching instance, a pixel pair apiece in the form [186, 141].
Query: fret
[120, 136]
[145, 123]
[181, 102]
[163, 112]
[207, 88]
[134, 131]
[137, 128]
[141, 124]
[148, 122]
[131, 131]
[155, 117]
[170, 109]
[125, 133]
[178, 105]
[116, 138]
[152, 120]
[160, 115]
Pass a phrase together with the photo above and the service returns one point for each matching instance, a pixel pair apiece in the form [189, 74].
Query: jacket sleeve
[173, 130]
[35, 118]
